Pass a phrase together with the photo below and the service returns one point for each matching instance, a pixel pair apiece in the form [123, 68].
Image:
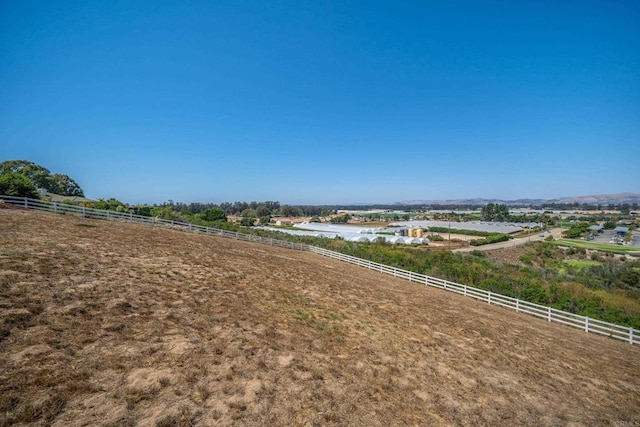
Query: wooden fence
[625, 333]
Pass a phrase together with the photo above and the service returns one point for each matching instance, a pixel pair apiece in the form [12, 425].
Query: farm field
[598, 246]
[116, 324]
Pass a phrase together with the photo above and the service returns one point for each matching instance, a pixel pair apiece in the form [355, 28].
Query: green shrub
[526, 259]
[18, 185]
[494, 238]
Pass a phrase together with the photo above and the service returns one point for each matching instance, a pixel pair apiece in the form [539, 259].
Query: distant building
[596, 228]
[290, 221]
[621, 231]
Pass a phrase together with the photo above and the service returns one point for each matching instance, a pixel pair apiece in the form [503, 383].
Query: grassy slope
[115, 324]
[599, 246]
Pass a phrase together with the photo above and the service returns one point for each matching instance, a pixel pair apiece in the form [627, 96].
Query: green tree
[37, 174]
[213, 214]
[576, 230]
[342, 219]
[110, 205]
[495, 212]
[63, 185]
[262, 210]
[247, 222]
[249, 213]
[265, 220]
[16, 184]
[41, 177]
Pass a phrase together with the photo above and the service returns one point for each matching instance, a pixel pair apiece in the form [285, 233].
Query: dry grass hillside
[116, 325]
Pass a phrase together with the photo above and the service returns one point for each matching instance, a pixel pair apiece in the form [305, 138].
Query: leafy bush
[576, 230]
[526, 259]
[342, 219]
[494, 238]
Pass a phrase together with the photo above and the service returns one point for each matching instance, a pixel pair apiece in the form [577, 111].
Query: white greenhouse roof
[337, 228]
[354, 237]
[491, 227]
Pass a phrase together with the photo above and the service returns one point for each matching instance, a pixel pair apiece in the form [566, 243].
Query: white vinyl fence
[625, 333]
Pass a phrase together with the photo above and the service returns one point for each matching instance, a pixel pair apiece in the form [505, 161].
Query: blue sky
[324, 102]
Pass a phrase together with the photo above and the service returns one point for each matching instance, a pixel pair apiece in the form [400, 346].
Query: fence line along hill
[105, 323]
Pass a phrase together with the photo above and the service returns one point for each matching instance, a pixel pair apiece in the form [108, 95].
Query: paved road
[511, 243]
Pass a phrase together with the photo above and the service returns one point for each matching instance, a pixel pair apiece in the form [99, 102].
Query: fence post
[26, 203]
[489, 297]
[630, 335]
[465, 290]
[517, 305]
[55, 207]
[83, 212]
[549, 314]
[586, 324]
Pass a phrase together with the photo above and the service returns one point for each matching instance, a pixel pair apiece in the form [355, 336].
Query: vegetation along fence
[630, 335]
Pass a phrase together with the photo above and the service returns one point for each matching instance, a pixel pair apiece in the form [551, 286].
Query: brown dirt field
[510, 255]
[116, 324]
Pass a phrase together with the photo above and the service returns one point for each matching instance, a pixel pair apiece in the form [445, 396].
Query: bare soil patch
[115, 324]
[509, 255]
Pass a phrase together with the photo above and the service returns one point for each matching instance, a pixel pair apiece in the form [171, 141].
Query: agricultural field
[117, 324]
[631, 250]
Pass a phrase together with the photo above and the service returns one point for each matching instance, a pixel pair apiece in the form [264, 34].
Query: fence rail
[587, 324]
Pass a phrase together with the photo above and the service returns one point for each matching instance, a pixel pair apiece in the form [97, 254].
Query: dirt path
[535, 237]
[116, 324]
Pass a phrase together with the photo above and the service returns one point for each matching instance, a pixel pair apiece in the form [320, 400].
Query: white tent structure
[354, 236]
[397, 240]
[337, 228]
[357, 238]
[412, 240]
[492, 227]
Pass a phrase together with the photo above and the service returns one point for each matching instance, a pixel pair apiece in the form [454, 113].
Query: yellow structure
[414, 232]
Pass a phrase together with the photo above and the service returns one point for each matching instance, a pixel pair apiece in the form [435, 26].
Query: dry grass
[119, 325]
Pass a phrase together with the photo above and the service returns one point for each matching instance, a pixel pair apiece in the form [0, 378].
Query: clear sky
[324, 102]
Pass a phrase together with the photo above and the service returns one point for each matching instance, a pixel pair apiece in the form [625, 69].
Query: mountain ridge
[595, 199]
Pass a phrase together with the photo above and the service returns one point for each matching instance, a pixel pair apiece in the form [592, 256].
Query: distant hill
[596, 199]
